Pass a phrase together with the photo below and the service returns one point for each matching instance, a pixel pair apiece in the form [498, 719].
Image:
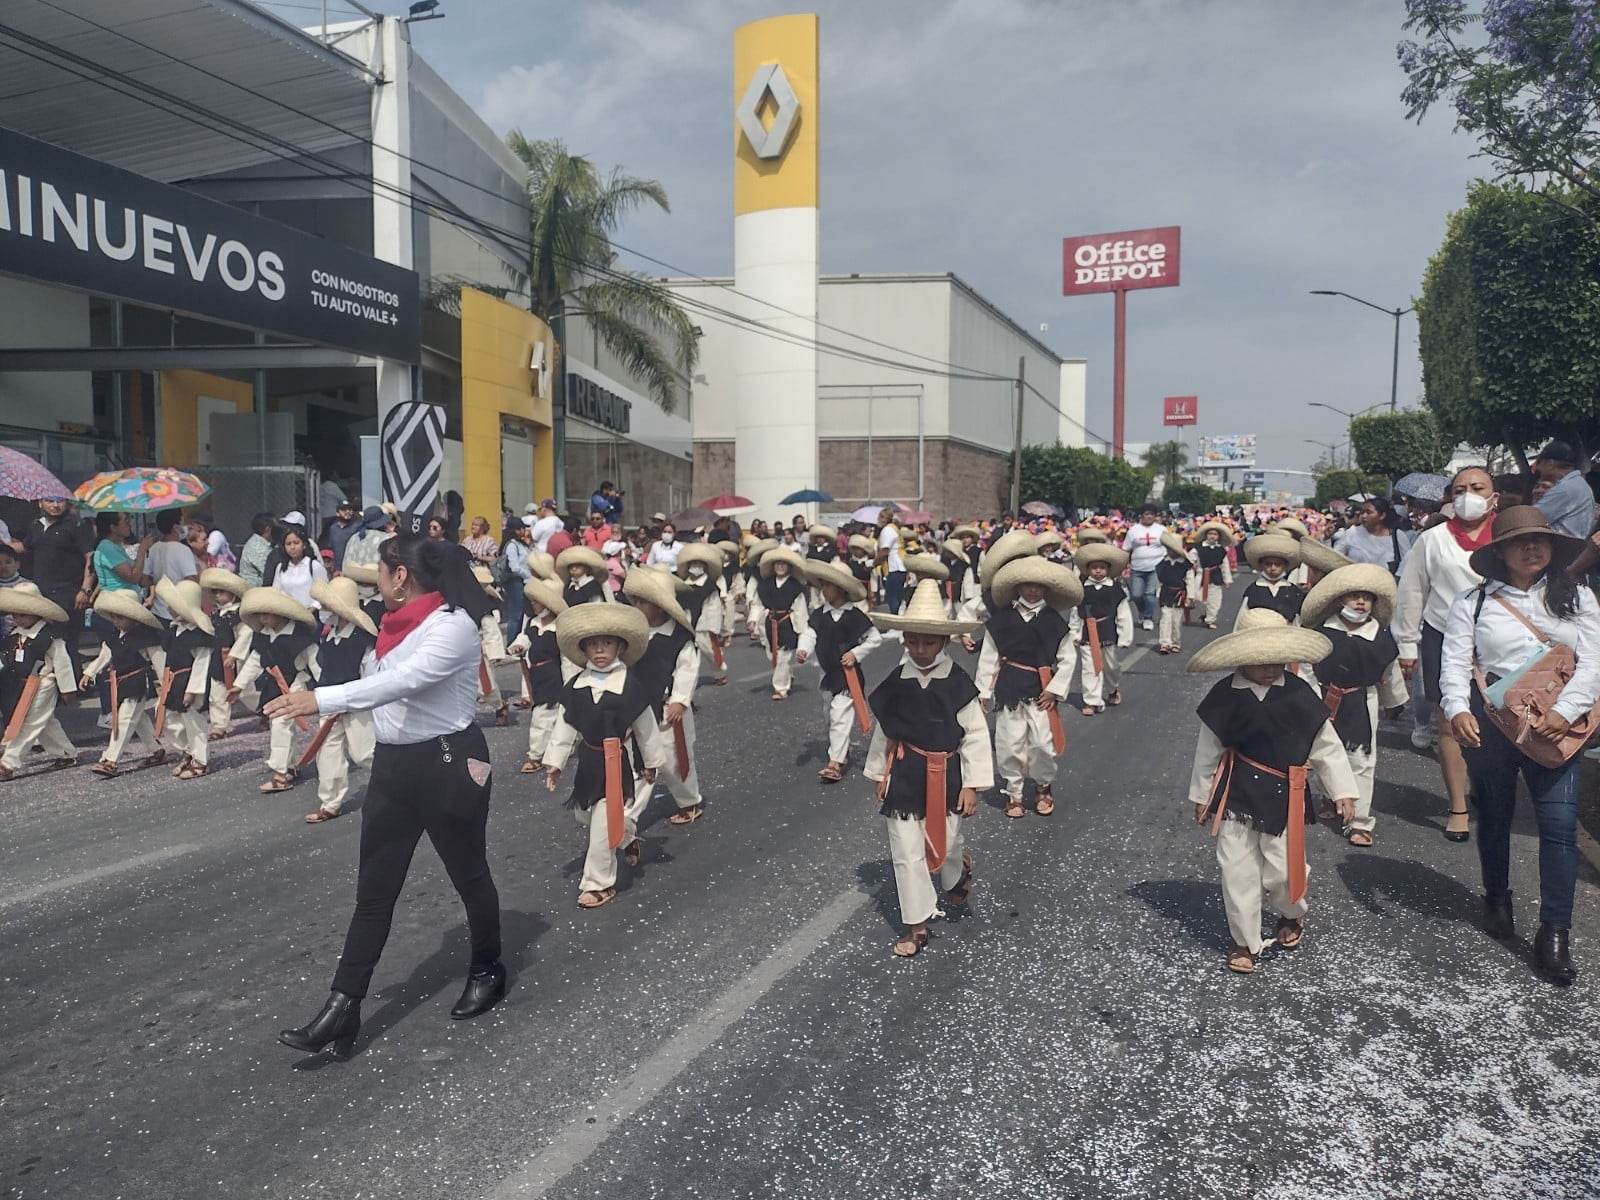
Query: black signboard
[600, 405]
[71, 220]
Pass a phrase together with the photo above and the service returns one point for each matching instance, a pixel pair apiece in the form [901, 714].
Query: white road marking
[587, 1131]
[24, 895]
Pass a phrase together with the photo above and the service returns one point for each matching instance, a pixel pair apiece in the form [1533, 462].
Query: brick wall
[713, 469]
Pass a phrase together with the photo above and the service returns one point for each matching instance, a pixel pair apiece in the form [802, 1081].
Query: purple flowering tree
[1522, 76]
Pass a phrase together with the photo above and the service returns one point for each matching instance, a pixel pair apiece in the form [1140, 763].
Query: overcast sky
[973, 135]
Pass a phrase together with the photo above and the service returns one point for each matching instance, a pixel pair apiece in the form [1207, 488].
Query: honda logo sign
[1180, 410]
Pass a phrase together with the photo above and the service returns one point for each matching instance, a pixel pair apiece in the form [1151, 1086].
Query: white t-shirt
[543, 530]
[889, 539]
[1144, 544]
[1360, 546]
[295, 579]
[169, 560]
[665, 553]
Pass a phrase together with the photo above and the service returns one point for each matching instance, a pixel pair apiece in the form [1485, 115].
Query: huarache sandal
[321, 815]
[1361, 838]
[61, 764]
[911, 945]
[1241, 961]
[780, 695]
[524, 702]
[177, 771]
[1090, 710]
[195, 771]
[597, 899]
[1044, 803]
[1289, 933]
[502, 717]
[1014, 806]
[6, 773]
[687, 816]
[156, 759]
[1114, 699]
[633, 852]
[216, 735]
[832, 773]
[104, 769]
[962, 892]
[281, 781]
[531, 766]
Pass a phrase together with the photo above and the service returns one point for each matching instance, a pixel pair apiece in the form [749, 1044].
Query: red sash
[936, 816]
[852, 678]
[1294, 829]
[1058, 735]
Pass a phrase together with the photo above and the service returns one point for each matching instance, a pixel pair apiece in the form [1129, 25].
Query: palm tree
[1167, 458]
[572, 267]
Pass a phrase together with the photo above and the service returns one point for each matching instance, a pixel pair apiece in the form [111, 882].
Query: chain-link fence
[239, 493]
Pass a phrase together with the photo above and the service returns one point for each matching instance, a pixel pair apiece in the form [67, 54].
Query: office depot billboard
[1114, 262]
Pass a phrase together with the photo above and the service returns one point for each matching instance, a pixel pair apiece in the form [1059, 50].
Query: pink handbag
[1535, 692]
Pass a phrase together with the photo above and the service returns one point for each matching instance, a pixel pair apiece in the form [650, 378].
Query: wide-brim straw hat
[656, 587]
[1115, 558]
[1018, 543]
[215, 579]
[859, 541]
[183, 601]
[827, 532]
[542, 565]
[1049, 540]
[773, 557]
[819, 572]
[728, 549]
[547, 593]
[1272, 545]
[926, 566]
[621, 621]
[366, 574]
[580, 556]
[1294, 527]
[1320, 557]
[265, 601]
[1522, 520]
[1323, 599]
[124, 602]
[341, 598]
[485, 578]
[26, 600]
[925, 614]
[1261, 618]
[759, 548]
[1208, 526]
[1172, 543]
[1270, 646]
[1090, 533]
[1061, 586]
[965, 530]
[707, 556]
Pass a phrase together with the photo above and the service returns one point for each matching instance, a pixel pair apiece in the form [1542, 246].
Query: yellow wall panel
[789, 181]
[497, 341]
[180, 417]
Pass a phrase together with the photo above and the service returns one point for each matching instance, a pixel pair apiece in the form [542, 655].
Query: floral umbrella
[141, 490]
[22, 478]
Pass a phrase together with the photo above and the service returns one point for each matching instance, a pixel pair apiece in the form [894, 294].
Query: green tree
[1073, 477]
[1167, 459]
[1395, 444]
[573, 211]
[1191, 496]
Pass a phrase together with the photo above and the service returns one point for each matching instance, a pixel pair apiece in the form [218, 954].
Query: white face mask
[1352, 617]
[1470, 506]
[1032, 606]
[696, 571]
[666, 539]
[607, 669]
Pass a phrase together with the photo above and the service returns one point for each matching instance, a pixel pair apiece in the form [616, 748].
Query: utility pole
[1016, 445]
[1394, 374]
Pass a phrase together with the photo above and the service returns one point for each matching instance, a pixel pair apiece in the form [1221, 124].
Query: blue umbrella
[806, 496]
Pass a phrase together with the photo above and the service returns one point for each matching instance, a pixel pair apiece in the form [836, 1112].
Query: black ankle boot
[1498, 919]
[1553, 951]
[485, 988]
[336, 1025]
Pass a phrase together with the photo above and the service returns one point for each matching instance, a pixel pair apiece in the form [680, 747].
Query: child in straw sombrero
[1102, 624]
[930, 758]
[283, 645]
[1025, 668]
[606, 717]
[134, 655]
[346, 652]
[1352, 607]
[1274, 556]
[1214, 574]
[708, 604]
[1261, 730]
[1172, 595]
[544, 671]
[492, 649]
[961, 589]
[583, 575]
[669, 669]
[36, 672]
[750, 574]
[839, 635]
[230, 646]
[778, 613]
[861, 559]
[184, 698]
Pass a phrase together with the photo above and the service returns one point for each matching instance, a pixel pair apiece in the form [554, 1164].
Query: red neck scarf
[1471, 539]
[398, 623]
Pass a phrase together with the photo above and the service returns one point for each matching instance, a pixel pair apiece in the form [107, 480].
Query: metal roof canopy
[228, 38]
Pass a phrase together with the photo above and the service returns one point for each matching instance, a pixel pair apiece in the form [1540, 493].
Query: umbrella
[868, 512]
[807, 496]
[1041, 508]
[728, 505]
[693, 518]
[1360, 497]
[910, 516]
[23, 479]
[141, 489]
[1420, 485]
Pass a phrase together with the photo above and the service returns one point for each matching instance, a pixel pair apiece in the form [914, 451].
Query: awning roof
[49, 47]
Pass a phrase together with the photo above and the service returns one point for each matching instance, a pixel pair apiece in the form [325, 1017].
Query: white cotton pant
[350, 739]
[191, 729]
[1364, 765]
[1214, 602]
[542, 722]
[686, 791]
[841, 716]
[1097, 686]
[600, 864]
[133, 721]
[491, 696]
[783, 672]
[708, 656]
[908, 849]
[40, 727]
[1253, 863]
[222, 711]
[1023, 748]
[1171, 628]
[280, 745]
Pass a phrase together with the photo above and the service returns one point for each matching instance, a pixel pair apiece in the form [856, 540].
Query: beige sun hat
[1261, 618]
[819, 572]
[1090, 533]
[124, 602]
[621, 621]
[341, 597]
[26, 600]
[1293, 526]
[1049, 540]
[542, 566]
[1227, 534]
[266, 601]
[656, 587]
[860, 541]
[1272, 545]
[364, 573]
[215, 579]
[1018, 543]
[485, 578]
[819, 530]
[1172, 542]
[183, 600]
[729, 548]
[1320, 557]
[1115, 558]
[707, 556]
[773, 557]
[1061, 586]
[1271, 645]
[547, 593]
[925, 614]
[758, 550]
[926, 566]
[580, 556]
[1323, 599]
[965, 529]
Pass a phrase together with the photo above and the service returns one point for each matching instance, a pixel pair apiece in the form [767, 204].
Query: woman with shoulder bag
[1378, 537]
[1502, 632]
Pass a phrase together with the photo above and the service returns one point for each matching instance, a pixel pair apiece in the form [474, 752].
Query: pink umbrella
[22, 478]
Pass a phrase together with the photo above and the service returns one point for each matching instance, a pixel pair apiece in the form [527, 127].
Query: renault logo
[768, 142]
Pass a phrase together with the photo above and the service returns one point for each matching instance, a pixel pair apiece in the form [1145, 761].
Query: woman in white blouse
[298, 569]
[430, 774]
[1525, 572]
[1375, 539]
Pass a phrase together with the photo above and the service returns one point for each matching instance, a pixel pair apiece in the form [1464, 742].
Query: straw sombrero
[859, 541]
[26, 600]
[641, 583]
[707, 556]
[1061, 586]
[925, 614]
[819, 572]
[1321, 558]
[1292, 526]
[545, 592]
[341, 598]
[1091, 533]
[485, 578]
[266, 601]
[679, 584]
[1049, 540]
[1261, 618]
[183, 600]
[124, 602]
[966, 530]
[926, 566]
[1172, 543]
[621, 621]
[1522, 520]
[366, 573]
[215, 579]
[1018, 543]
[1268, 645]
[580, 556]
[825, 532]
[754, 554]
[1115, 558]
[773, 557]
[542, 565]
[1323, 599]
[729, 548]
[1227, 534]
[1272, 545]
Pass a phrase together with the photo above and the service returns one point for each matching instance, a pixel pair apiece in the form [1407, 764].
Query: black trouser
[417, 789]
[70, 630]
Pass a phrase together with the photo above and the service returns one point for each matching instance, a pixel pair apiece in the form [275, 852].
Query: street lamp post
[1396, 313]
[1331, 447]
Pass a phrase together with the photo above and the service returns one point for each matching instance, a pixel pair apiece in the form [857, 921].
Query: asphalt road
[734, 1025]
